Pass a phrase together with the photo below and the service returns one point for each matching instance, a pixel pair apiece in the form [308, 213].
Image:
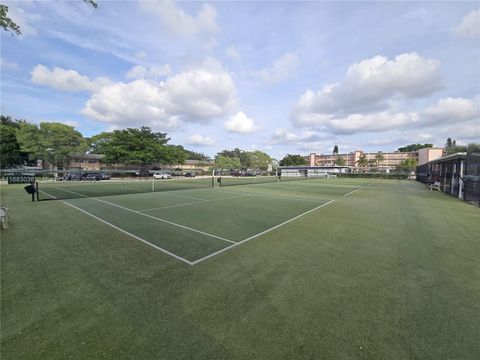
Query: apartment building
[390, 159]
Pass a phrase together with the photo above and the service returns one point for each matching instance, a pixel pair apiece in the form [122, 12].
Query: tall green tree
[414, 147]
[362, 161]
[227, 163]
[379, 158]
[9, 25]
[407, 165]
[141, 147]
[10, 150]
[9, 147]
[339, 161]
[335, 149]
[449, 143]
[52, 142]
[293, 160]
[260, 160]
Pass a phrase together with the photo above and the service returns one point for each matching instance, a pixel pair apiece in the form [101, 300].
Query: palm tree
[379, 158]
[362, 161]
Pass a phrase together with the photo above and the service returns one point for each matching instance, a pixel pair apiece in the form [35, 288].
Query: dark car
[91, 176]
[190, 174]
[105, 176]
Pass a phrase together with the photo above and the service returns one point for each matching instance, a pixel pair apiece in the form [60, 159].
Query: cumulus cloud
[283, 136]
[154, 72]
[470, 25]
[450, 110]
[65, 80]
[447, 110]
[198, 95]
[240, 123]
[200, 140]
[179, 22]
[368, 85]
[279, 71]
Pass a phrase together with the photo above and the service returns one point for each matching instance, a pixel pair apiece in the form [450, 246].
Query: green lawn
[391, 271]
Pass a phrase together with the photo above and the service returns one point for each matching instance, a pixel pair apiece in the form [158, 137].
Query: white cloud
[283, 136]
[195, 95]
[154, 72]
[240, 123]
[65, 80]
[179, 22]
[368, 85]
[450, 110]
[200, 140]
[279, 71]
[470, 25]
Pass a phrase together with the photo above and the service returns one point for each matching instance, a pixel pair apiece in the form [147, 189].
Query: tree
[140, 147]
[472, 147]
[259, 160]
[174, 154]
[52, 142]
[9, 147]
[379, 158]
[339, 161]
[414, 147]
[335, 149]
[407, 165]
[293, 160]
[449, 143]
[192, 155]
[362, 161]
[227, 163]
[249, 159]
[9, 25]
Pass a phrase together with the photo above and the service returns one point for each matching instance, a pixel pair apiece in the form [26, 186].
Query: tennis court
[199, 221]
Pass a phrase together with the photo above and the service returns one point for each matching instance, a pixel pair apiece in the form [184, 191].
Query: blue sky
[281, 77]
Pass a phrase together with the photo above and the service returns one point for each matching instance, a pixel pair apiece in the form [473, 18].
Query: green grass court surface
[317, 269]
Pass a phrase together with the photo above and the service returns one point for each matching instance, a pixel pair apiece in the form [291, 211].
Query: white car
[162, 176]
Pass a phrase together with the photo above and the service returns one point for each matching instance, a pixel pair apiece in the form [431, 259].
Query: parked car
[162, 176]
[105, 176]
[91, 176]
[190, 174]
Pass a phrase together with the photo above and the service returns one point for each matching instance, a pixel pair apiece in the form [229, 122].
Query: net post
[36, 191]
[276, 175]
[153, 185]
[213, 178]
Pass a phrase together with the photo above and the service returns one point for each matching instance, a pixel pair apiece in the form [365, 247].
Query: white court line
[270, 196]
[178, 195]
[195, 202]
[360, 188]
[153, 217]
[173, 206]
[123, 231]
[260, 233]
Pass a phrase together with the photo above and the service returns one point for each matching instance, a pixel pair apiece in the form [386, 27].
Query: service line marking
[194, 202]
[153, 217]
[124, 231]
[260, 233]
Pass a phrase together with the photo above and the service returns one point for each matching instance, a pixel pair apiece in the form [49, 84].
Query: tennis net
[78, 189]
[244, 180]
